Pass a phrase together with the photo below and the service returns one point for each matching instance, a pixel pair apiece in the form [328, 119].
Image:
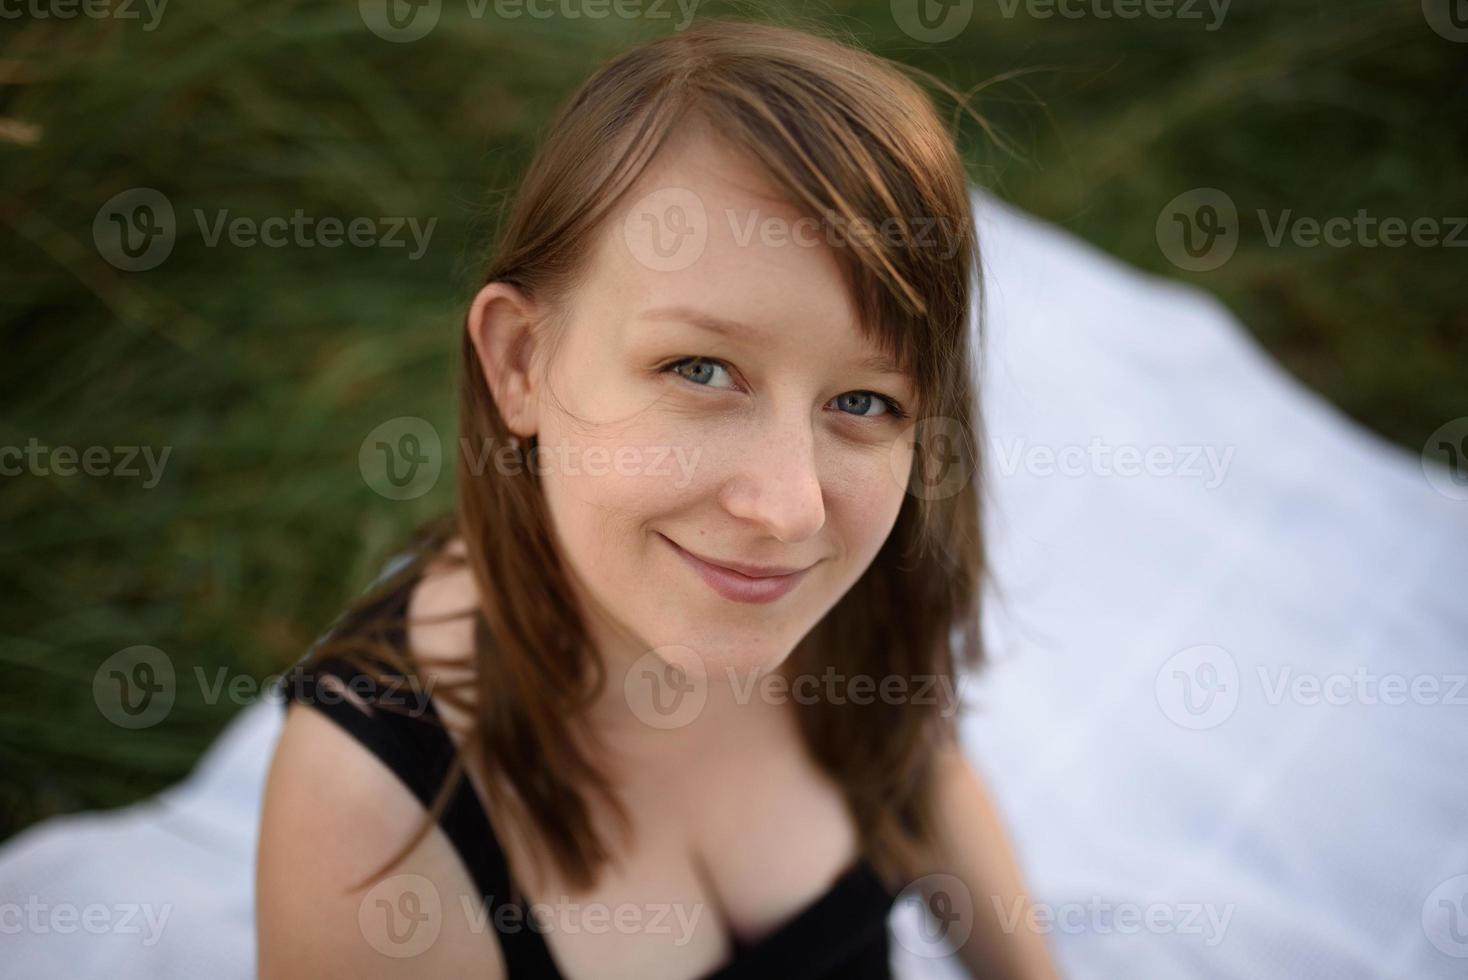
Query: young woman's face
[776, 447]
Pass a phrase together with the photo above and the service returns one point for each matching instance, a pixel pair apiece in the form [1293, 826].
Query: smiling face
[718, 403]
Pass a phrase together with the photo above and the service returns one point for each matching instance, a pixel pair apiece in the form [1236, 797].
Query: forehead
[704, 231]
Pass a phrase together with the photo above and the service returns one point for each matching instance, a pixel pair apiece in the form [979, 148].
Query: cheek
[602, 466]
[605, 484]
[863, 499]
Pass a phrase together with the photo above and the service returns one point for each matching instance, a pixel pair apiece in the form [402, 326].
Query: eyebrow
[880, 363]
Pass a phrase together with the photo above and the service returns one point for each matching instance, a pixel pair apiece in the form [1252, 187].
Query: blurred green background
[262, 369]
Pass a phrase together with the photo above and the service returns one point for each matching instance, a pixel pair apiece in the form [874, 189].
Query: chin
[723, 657]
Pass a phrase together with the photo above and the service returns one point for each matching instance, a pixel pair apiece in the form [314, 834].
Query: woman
[693, 631]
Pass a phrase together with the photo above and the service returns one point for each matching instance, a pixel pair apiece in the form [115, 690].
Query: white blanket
[1224, 717]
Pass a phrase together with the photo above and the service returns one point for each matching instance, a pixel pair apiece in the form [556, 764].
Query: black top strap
[408, 736]
[841, 934]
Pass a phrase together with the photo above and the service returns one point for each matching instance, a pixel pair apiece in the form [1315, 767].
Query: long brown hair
[851, 140]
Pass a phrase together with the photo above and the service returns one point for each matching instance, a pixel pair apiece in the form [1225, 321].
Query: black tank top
[842, 935]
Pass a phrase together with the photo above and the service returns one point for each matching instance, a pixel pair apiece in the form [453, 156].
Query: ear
[502, 324]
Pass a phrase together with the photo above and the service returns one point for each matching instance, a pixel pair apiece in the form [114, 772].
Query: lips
[767, 585]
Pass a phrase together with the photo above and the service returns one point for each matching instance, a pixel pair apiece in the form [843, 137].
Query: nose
[779, 486]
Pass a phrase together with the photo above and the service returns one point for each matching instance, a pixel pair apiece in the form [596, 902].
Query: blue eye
[862, 402]
[701, 371]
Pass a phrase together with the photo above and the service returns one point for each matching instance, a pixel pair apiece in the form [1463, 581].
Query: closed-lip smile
[739, 581]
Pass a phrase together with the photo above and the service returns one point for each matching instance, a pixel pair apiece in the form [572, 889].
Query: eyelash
[894, 408]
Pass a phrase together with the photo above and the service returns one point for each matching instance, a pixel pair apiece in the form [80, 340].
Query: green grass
[263, 369]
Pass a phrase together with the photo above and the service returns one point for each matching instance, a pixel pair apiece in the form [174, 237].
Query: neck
[670, 706]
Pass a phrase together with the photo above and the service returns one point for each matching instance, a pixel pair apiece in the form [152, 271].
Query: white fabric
[1316, 834]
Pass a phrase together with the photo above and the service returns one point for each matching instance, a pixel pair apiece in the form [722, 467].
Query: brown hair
[848, 138]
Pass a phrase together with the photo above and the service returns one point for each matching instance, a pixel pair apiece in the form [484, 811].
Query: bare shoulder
[440, 629]
[332, 814]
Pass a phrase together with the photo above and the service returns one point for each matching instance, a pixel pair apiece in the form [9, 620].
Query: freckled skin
[781, 475]
[759, 460]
